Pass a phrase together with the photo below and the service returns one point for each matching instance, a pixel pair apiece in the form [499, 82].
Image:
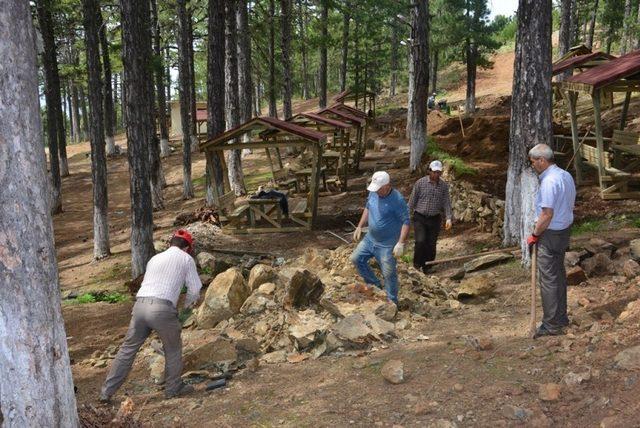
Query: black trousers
[426, 230]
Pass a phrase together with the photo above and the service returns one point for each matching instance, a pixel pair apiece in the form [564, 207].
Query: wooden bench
[283, 180]
[625, 137]
[616, 178]
[298, 213]
[231, 213]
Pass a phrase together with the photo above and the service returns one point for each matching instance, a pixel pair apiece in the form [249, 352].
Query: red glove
[532, 240]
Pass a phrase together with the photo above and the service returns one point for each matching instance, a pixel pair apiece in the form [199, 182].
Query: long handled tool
[534, 274]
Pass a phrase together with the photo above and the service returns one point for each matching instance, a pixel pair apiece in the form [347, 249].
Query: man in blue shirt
[554, 210]
[387, 215]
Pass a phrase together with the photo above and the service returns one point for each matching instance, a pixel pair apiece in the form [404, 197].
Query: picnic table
[331, 160]
[303, 175]
[265, 209]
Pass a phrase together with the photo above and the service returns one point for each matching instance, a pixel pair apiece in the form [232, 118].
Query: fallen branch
[470, 256]
[337, 236]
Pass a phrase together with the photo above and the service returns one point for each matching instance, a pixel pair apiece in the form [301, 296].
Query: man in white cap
[428, 201]
[387, 215]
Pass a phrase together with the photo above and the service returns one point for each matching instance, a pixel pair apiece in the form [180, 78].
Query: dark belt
[154, 300]
[424, 215]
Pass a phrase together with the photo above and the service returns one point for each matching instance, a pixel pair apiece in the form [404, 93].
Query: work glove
[357, 234]
[532, 240]
[398, 250]
[447, 225]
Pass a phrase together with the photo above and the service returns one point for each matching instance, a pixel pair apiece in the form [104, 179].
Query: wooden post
[599, 141]
[572, 98]
[225, 173]
[270, 160]
[625, 109]
[316, 170]
[345, 166]
[279, 156]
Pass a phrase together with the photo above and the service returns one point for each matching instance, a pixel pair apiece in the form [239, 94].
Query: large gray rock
[219, 351]
[629, 359]
[599, 264]
[211, 264]
[634, 249]
[476, 286]
[572, 258]
[597, 246]
[393, 371]
[358, 329]
[223, 299]
[631, 269]
[487, 261]
[205, 260]
[256, 303]
[303, 289]
[575, 275]
[261, 274]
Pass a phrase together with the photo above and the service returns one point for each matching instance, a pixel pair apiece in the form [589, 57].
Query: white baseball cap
[435, 165]
[379, 179]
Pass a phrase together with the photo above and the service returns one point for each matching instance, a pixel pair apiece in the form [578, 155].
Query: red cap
[182, 233]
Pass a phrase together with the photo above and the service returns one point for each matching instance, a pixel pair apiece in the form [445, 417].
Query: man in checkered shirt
[428, 201]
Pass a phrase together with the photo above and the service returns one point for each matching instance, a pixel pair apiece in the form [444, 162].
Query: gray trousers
[552, 277]
[149, 313]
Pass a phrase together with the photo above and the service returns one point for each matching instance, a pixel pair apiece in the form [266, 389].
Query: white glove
[357, 234]
[398, 250]
[447, 225]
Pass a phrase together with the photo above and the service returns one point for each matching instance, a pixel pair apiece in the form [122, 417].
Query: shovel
[534, 274]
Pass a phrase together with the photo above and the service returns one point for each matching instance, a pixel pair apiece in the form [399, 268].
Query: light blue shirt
[558, 192]
[386, 217]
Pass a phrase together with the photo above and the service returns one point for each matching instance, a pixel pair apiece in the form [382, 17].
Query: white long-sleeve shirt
[167, 272]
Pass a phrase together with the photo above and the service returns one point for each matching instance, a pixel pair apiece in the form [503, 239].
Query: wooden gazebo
[338, 148]
[365, 100]
[360, 124]
[267, 133]
[617, 159]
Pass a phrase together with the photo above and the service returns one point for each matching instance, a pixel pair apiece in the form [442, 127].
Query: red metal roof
[326, 120]
[352, 110]
[343, 115]
[341, 96]
[609, 72]
[576, 61]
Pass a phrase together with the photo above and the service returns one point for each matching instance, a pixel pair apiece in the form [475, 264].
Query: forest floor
[448, 383]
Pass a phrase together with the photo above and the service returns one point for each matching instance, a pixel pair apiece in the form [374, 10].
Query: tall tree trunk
[36, 387]
[161, 107]
[231, 97]
[565, 36]
[184, 68]
[192, 87]
[85, 115]
[626, 29]
[273, 108]
[115, 100]
[530, 116]
[420, 82]
[574, 28]
[302, 22]
[109, 113]
[123, 109]
[433, 74]
[52, 98]
[324, 36]
[245, 81]
[257, 110]
[285, 25]
[167, 72]
[346, 18]
[215, 96]
[136, 57]
[75, 113]
[62, 139]
[70, 113]
[394, 58]
[638, 28]
[592, 26]
[472, 57]
[92, 23]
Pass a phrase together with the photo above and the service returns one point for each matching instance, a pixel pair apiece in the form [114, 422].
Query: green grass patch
[460, 168]
[587, 226]
[252, 181]
[117, 271]
[635, 222]
[200, 181]
[102, 296]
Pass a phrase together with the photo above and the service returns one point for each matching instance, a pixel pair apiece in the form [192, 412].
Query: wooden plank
[577, 160]
[316, 170]
[600, 142]
[625, 109]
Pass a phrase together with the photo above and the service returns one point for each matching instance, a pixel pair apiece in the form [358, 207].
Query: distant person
[429, 200]
[155, 310]
[554, 215]
[388, 219]
[431, 101]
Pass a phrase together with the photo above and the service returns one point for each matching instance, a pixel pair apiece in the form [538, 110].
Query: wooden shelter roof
[324, 120]
[271, 124]
[624, 67]
[575, 51]
[352, 110]
[344, 95]
[343, 115]
[580, 61]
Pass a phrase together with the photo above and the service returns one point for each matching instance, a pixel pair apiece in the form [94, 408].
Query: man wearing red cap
[155, 310]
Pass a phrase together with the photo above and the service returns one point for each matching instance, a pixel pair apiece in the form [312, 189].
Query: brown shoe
[184, 390]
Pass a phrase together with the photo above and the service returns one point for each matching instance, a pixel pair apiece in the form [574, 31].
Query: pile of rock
[473, 206]
[599, 257]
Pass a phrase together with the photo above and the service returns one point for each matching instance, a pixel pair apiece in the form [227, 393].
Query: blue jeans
[384, 256]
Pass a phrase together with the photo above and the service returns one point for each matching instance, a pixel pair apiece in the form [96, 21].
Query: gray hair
[541, 151]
